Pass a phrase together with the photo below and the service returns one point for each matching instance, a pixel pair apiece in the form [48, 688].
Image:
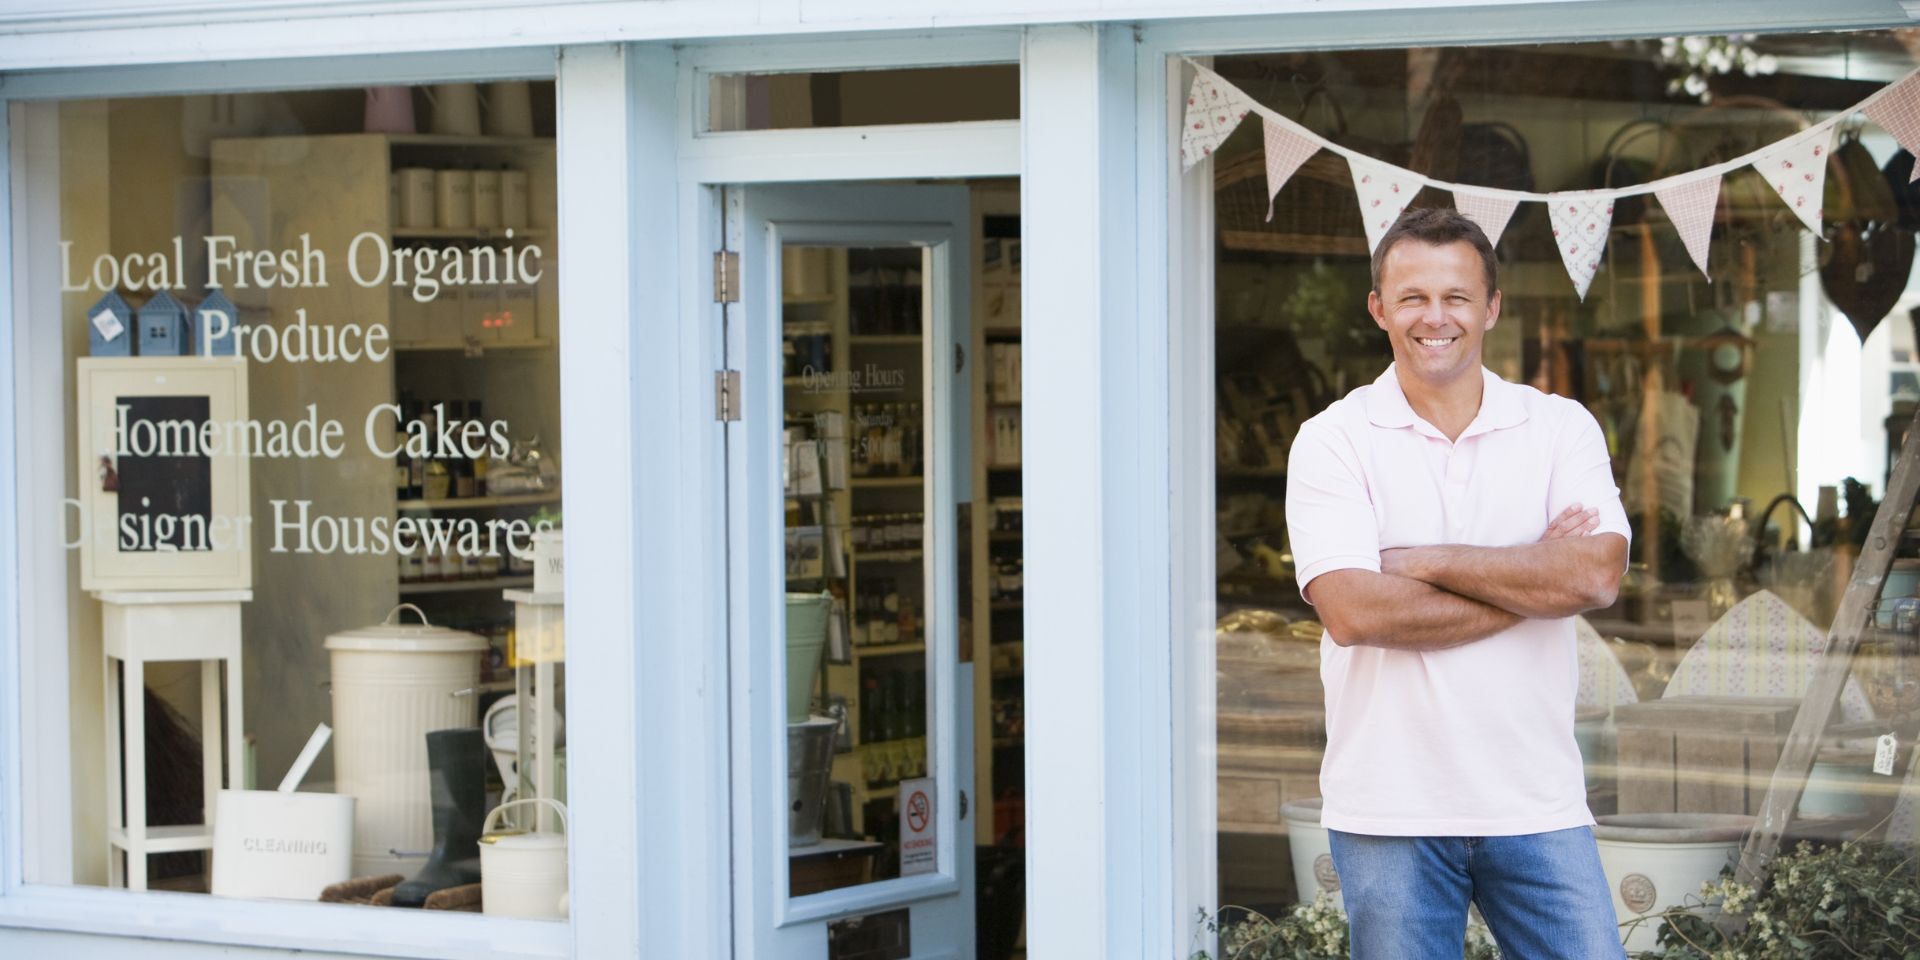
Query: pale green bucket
[806, 640]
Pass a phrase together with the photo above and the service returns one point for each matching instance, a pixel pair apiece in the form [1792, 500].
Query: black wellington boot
[457, 765]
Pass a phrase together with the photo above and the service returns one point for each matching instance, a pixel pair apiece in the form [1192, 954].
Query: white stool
[156, 626]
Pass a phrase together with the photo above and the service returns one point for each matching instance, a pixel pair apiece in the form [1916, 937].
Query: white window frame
[33, 566]
[981, 148]
[1180, 274]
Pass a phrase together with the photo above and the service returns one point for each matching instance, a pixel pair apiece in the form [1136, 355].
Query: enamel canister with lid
[394, 683]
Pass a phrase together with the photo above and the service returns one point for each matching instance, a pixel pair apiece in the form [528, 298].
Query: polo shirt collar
[1501, 405]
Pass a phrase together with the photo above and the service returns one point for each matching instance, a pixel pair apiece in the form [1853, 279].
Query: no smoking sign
[919, 835]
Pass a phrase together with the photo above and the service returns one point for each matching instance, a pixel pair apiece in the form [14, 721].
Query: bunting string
[1794, 166]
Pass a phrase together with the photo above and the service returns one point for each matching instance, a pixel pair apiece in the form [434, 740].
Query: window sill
[269, 924]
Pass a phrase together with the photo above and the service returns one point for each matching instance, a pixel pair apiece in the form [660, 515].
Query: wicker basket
[1315, 213]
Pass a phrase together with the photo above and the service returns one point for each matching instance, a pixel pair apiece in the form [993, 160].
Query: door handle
[963, 804]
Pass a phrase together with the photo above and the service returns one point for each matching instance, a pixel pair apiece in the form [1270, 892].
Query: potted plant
[1308, 931]
[1853, 899]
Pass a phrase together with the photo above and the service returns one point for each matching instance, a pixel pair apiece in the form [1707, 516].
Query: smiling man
[1447, 525]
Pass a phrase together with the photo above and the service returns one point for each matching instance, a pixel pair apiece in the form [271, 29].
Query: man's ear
[1493, 310]
[1377, 309]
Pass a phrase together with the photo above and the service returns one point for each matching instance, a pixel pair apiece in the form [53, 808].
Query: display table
[154, 627]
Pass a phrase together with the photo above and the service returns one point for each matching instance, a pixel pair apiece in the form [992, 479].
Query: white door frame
[1176, 269]
[707, 160]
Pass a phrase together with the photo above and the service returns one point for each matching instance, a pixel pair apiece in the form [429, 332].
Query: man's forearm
[1551, 578]
[1360, 607]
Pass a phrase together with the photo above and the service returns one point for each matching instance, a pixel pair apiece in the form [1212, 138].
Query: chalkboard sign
[166, 500]
[158, 510]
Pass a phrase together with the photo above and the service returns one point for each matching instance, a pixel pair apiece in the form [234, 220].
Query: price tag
[1883, 755]
[109, 325]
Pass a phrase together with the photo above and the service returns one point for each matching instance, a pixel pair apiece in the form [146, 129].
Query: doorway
[872, 358]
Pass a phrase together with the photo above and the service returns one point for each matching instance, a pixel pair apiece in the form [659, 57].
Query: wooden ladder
[1830, 675]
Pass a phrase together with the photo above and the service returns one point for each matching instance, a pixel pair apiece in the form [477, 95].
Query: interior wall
[85, 218]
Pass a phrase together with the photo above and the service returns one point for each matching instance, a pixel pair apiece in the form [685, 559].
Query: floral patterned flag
[1490, 210]
[1690, 205]
[1796, 168]
[1384, 191]
[1580, 225]
[1214, 108]
[1287, 149]
[1898, 112]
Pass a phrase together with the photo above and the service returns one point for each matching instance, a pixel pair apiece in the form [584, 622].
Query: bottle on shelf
[914, 442]
[402, 471]
[917, 713]
[890, 707]
[909, 621]
[416, 466]
[908, 301]
[890, 441]
[436, 481]
[869, 710]
[459, 465]
[482, 462]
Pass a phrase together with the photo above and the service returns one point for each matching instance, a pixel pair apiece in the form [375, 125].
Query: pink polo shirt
[1476, 740]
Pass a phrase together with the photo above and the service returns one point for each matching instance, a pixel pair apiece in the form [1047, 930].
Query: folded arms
[1431, 598]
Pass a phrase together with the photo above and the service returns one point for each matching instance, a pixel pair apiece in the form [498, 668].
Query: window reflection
[1752, 419]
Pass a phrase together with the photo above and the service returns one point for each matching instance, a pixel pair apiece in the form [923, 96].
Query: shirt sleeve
[1330, 519]
[1583, 473]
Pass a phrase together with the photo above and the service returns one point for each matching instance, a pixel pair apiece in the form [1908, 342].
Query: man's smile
[1435, 341]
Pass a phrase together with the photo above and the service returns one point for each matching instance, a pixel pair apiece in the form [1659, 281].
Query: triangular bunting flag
[1490, 210]
[1287, 149]
[1580, 225]
[1384, 191]
[1898, 112]
[1796, 168]
[1214, 108]
[1690, 205]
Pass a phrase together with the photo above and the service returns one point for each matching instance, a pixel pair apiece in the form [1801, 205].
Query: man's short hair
[1437, 227]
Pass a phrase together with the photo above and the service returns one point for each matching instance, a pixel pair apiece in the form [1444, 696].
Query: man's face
[1434, 304]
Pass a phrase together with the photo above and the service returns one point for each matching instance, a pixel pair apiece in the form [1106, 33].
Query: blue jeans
[1543, 895]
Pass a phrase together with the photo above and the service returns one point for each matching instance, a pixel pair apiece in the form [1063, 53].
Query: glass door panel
[852, 711]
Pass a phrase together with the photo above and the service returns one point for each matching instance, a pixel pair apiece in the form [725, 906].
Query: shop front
[323, 322]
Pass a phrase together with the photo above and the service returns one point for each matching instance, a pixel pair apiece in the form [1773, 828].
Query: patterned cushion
[1761, 648]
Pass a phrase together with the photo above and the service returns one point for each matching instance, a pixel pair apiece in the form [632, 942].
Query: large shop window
[1752, 421]
[307, 354]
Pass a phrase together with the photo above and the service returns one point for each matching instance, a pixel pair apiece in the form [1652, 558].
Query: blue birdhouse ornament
[110, 327]
[212, 327]
[164, 328]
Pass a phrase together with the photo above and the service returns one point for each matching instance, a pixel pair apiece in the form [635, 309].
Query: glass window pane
[857, 574]
[1750, 423]
[863, 98]
[313, 433]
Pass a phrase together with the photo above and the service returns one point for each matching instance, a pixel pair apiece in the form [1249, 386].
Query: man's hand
[1423, 563]
[1574, 521]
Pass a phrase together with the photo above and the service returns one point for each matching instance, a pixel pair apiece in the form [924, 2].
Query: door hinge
[726, 395]
[726, 277]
